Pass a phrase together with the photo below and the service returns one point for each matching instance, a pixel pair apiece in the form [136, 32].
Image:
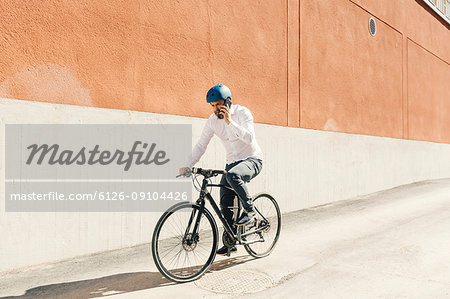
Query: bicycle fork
[194, 218]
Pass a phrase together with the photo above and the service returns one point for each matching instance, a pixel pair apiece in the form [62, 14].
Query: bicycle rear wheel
[179, 254]
[268, 216]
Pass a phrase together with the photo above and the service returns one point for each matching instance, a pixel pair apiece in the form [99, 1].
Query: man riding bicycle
[233, 124]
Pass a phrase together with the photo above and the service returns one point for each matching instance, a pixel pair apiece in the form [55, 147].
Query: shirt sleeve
[245, 130]
[200, 147]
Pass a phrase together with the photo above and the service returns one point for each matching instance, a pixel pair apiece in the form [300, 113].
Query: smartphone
[228, 104]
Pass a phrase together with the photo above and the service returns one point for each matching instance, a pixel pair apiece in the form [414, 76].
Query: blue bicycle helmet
[218, 92]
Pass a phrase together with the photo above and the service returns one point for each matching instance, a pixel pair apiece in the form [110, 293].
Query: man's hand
[184, 170]
[226, 114]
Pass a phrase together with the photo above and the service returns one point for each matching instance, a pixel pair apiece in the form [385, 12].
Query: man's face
[216, 106]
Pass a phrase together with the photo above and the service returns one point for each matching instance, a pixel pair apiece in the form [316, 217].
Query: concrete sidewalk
[391, 244]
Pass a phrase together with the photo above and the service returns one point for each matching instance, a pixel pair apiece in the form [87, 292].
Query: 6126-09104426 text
[101, 196]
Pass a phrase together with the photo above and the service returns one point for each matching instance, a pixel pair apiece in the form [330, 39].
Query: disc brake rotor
[189, 242]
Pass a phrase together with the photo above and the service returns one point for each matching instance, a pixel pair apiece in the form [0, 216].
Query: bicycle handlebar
[207, 173]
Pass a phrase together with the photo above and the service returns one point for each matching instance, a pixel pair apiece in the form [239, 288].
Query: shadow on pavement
[114, 284]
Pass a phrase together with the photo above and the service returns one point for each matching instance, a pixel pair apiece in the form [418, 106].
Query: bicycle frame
[201, 202]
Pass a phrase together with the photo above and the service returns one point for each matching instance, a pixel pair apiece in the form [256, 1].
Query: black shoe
[224, 250]
[246, 218]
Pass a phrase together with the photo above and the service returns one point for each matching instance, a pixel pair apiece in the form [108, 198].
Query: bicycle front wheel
[181, 254]
[267, 225]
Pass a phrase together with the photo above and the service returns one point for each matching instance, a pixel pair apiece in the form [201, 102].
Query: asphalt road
[392, 244]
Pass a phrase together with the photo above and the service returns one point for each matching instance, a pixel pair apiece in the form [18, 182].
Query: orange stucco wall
[351, 81]
[308, 63]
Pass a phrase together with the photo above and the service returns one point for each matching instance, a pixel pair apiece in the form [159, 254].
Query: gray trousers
[238, 174]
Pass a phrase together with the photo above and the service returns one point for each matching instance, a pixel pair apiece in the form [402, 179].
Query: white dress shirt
[238, 137]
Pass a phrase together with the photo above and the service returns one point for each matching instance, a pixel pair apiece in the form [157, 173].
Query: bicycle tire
[208, 231]
[265, 205]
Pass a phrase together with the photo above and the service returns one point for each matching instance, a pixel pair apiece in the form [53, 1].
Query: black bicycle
[185, 238]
